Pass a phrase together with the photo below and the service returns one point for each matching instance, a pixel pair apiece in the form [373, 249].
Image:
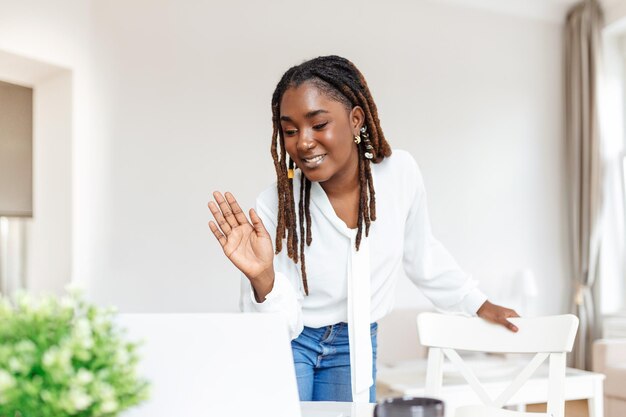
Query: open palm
[248, 245]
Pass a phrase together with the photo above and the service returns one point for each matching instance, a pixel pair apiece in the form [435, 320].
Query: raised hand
[247, 245]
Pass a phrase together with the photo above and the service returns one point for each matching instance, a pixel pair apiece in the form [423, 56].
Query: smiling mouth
[316, 160]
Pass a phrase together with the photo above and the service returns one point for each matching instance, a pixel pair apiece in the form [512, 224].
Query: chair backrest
[549, 337]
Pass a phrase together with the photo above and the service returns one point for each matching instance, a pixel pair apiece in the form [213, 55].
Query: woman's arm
[431, 267]
[248, 245]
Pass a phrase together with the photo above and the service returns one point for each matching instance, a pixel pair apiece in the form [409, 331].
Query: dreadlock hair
[340, 80]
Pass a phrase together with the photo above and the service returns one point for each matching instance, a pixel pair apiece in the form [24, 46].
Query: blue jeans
[322, 361]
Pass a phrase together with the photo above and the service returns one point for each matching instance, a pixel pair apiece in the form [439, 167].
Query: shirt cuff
[472, 301]
[274, 298]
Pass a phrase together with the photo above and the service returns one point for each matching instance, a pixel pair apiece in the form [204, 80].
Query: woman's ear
[357, 118]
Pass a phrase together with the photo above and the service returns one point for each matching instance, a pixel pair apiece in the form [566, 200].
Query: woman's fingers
[510, 313]
[228, 215]
[257, 223]
[237, 212]
[503, 315]
[218, 235]
[221, 221]
[498, 314]
[227, 211]
[510, 326]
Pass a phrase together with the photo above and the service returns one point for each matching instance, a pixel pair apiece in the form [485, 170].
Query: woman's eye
[289, 132]
[320, 126]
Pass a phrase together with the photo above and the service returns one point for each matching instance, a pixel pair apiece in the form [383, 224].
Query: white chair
[548, 337]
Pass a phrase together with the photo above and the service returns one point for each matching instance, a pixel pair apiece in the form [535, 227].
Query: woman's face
[319, 134]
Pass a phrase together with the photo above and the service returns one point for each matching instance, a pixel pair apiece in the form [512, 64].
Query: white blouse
[359, 287]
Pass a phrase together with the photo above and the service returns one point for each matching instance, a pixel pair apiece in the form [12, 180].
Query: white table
[336, 409]
[409, 378]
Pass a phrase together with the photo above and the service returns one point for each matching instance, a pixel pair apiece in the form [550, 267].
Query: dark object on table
[409, 407]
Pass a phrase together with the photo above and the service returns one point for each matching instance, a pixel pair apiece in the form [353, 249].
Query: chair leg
[434, 372]
[556, 385]
[596, 402]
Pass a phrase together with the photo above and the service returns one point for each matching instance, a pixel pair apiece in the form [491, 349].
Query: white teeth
[316, 159]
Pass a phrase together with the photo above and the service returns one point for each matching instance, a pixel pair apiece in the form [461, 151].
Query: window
[612, 281]
[16, 181]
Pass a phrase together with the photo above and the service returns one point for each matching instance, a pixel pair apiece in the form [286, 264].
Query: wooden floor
[576, 408]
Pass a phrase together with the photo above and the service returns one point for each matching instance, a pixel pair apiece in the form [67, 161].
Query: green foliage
[65, 358]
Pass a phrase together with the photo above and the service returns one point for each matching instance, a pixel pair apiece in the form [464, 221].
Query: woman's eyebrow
[309, 115]
[314, 113]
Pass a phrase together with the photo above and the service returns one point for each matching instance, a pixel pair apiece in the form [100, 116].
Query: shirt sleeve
[284, 298]
[429, 265]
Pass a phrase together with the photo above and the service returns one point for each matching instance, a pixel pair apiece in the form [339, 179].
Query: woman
[367, 223]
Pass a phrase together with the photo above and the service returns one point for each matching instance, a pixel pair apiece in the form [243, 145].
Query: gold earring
[290, 171]
[357, 139]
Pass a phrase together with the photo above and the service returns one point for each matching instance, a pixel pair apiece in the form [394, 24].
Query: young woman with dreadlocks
[352, 215]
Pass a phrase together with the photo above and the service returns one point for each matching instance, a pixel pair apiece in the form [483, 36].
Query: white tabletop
[336, 409]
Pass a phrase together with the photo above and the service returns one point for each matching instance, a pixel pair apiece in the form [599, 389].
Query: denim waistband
[334, 333]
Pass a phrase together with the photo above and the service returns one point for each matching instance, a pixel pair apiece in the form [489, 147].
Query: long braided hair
[340, 80]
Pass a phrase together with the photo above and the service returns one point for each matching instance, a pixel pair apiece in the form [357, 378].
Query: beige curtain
[582, 62]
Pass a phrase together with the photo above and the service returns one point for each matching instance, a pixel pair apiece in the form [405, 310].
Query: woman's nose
[305, 143]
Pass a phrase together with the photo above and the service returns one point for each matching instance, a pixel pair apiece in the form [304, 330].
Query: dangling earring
[369, 149]
[290, 171]
[357, 139]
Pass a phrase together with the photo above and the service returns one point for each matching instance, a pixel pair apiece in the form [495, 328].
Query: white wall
[49, 233]
[171, 101]
[183, 97]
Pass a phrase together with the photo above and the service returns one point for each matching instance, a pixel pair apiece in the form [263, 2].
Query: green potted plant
[63, 357]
